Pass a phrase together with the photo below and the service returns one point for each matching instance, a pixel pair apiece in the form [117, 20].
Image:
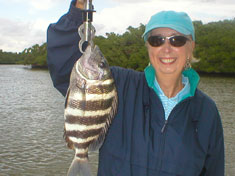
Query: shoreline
[215, 74]
[201, 73]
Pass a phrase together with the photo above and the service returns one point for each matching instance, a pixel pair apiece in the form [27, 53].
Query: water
[31, 123]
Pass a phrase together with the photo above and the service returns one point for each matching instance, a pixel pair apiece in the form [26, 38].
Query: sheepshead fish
[91, 103]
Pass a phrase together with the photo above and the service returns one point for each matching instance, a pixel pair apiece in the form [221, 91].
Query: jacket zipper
[164, 126]
[163, 135]
[162, 145]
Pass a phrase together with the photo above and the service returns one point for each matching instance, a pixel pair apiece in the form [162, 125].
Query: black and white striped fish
[91, 103]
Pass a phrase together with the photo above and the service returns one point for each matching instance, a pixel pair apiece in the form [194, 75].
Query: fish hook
[87, 31]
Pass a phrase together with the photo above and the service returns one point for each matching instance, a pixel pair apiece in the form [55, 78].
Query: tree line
[214, 52]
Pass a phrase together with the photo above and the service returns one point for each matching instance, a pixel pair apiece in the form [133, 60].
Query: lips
[167, 60]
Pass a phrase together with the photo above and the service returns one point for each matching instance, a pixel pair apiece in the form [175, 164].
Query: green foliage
[9, 58]
[127, 50]
[35, 55]
[215, 46]
[215, 49]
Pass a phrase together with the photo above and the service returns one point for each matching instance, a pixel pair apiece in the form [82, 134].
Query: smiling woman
[170, 42]
[164, 124]
[169, 58]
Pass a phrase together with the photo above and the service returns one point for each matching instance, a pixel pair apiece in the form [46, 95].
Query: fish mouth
[90, 64]
[95, 75]
[88, 72]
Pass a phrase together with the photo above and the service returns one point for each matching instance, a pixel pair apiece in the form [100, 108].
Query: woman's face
[167, 59]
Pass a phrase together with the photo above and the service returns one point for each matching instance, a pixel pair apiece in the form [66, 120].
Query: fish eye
[102, 64]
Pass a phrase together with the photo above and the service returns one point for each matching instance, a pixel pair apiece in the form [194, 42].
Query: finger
[80, 4]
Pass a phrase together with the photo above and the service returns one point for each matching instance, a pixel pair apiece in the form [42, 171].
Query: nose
[166, 46]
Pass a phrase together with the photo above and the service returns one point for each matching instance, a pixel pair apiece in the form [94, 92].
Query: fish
[90, 106]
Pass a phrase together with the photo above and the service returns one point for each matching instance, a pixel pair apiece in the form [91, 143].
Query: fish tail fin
[79, 168]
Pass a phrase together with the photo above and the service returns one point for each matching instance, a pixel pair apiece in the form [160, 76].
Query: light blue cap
[178, 21]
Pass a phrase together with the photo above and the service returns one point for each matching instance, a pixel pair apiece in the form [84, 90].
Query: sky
[24, 23]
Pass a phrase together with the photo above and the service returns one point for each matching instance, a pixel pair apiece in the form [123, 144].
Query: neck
[170, 85]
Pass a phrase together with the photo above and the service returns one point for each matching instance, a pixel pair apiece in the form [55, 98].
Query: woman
[165, 126]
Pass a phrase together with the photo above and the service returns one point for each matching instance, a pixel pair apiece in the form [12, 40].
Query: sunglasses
[175, 40]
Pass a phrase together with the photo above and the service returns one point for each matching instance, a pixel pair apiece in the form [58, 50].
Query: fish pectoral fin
[66, 99]
[94, 146]
[100, 140]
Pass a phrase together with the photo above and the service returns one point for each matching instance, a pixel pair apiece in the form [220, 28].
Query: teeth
[167, 60]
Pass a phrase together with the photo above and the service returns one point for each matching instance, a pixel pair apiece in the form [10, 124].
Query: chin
[171, 71]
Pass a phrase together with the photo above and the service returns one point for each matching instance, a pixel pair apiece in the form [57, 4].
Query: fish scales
[94, 109]
[91, 104]
[89, 120]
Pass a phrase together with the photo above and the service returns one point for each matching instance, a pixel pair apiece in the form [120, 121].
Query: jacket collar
[191, 74]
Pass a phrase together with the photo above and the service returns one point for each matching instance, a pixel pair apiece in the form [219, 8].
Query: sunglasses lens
[178, 41]
[156, 40]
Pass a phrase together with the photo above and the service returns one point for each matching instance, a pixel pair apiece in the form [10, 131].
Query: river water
[31, 122]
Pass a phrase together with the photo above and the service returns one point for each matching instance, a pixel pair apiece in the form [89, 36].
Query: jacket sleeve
[62, 47]
[214, 164]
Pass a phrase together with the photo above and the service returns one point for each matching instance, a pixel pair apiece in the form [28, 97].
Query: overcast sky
[23, 23]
